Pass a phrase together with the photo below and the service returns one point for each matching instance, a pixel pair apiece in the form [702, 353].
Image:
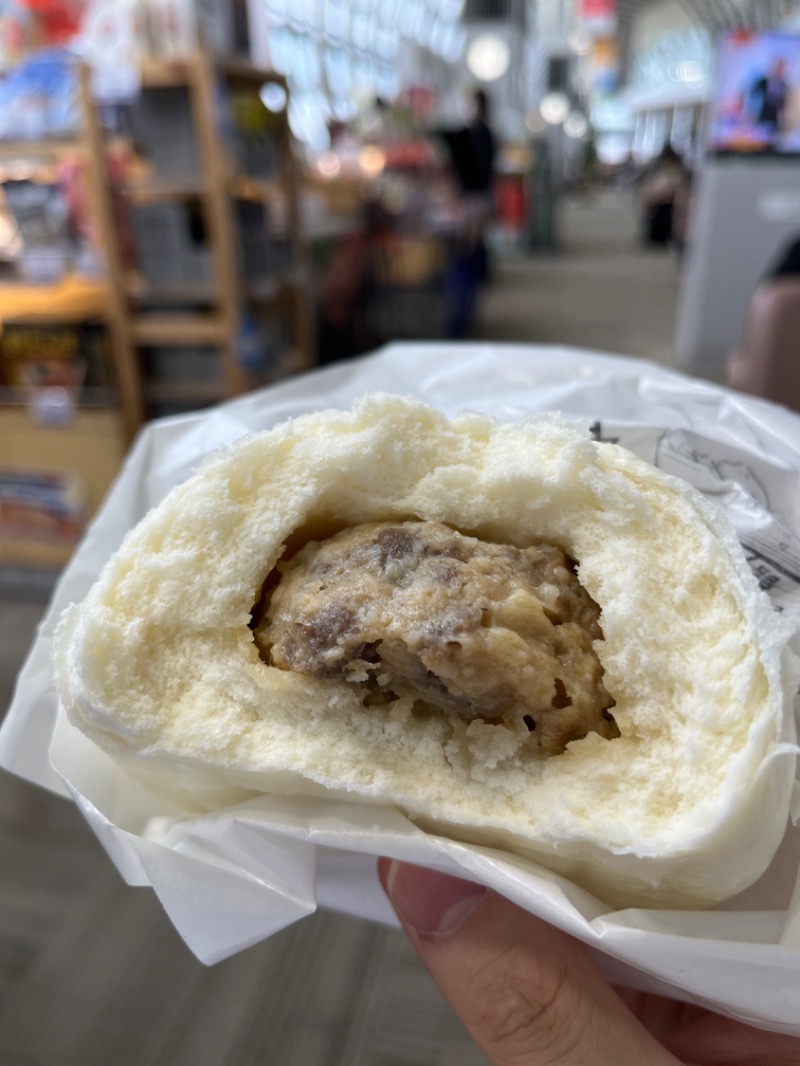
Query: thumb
[528, 994]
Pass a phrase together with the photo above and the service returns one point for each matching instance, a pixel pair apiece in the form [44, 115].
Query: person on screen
[769, 94]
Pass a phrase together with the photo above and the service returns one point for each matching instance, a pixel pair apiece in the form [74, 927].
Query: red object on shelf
[509, 191]
[60, 19]
[598, 9]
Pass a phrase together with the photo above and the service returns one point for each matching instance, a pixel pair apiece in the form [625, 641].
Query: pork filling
[475, 630]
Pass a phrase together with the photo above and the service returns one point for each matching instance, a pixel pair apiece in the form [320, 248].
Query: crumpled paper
[231, 878]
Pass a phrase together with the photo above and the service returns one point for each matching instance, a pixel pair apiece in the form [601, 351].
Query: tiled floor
[92, 973]
[601, 290]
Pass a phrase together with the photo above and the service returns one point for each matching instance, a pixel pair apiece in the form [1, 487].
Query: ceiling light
[372, 160]
[535, 123]
[273, 97]
[329, 166]
[576, 125]
[580, 42]
[554, 108]
[488, 57]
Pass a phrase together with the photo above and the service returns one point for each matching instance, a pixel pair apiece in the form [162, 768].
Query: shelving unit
[212, 313]
[76, 299]
[51, 150]
[145, 319]
[72, 299]
[89, 447]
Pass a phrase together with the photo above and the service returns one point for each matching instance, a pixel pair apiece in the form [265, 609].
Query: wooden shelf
[73, 299]
[267, 292]
[169, 73]
[94, 445]
[184, 392]
[52, 150]
[239, 70]
[182, 315]
[254, 189]
[152, 191]
[272, 289]
[295, 362]
[92, 399]
[139, 291]
[167, 330]
[165, 73]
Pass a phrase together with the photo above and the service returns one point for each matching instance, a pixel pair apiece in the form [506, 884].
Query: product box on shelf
[74, 357]
[42, 505]
[41, 215]
[164, 132]
[170, 245]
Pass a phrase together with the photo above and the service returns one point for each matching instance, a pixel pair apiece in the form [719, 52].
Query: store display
[254, 133]
[39, 99]
[162, 133]
[41, 215]
[50, 230]
[13, 31]
[170, 245]
[262, 341]
[172, 26]
[263, 254]
[181, 271]
[76, 358]
[222, 27]
[756, 105]
[58, 21]
[214, 214]
[183, 364]
[130, 31]
[42, 505]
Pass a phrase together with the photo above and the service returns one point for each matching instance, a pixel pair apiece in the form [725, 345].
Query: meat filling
[476, 630]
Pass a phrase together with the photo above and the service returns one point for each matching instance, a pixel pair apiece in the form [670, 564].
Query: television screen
[756, 105]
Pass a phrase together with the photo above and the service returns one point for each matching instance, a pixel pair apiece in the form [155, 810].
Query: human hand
[531, 995]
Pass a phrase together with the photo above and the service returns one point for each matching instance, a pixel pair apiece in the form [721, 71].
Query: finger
[661, 1017]
[529, 994]
[715, 1041]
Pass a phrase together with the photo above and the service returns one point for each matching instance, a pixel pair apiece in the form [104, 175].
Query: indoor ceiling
[723, 14]
[715, 15]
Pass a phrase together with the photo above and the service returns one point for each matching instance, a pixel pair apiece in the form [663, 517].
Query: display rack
[212, 313]
[90, 444]
[74, 298]
[138, 316]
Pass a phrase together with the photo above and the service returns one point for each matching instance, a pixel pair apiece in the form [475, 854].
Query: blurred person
[787, 262]
[768, 96]
[662, 184]
[473, 151]
[483, 147]
[477, 178]
[530, 995]
[590, 176]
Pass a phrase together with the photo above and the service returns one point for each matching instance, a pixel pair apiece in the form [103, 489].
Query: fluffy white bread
[686, 807]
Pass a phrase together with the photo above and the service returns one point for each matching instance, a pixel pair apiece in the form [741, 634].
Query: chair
[768, 363]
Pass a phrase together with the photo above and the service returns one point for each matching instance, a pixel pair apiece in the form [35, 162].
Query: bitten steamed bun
[518, 636]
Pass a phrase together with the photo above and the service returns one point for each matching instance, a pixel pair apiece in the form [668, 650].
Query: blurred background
[203, 197]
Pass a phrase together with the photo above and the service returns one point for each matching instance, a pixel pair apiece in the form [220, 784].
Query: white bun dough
[686, 807]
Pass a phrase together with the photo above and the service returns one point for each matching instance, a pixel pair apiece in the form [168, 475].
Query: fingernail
[432, 903]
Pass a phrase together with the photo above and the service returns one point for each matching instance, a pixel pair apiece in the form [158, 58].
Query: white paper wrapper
[230, 879]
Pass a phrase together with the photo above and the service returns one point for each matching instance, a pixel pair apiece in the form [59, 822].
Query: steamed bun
[685, 807]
